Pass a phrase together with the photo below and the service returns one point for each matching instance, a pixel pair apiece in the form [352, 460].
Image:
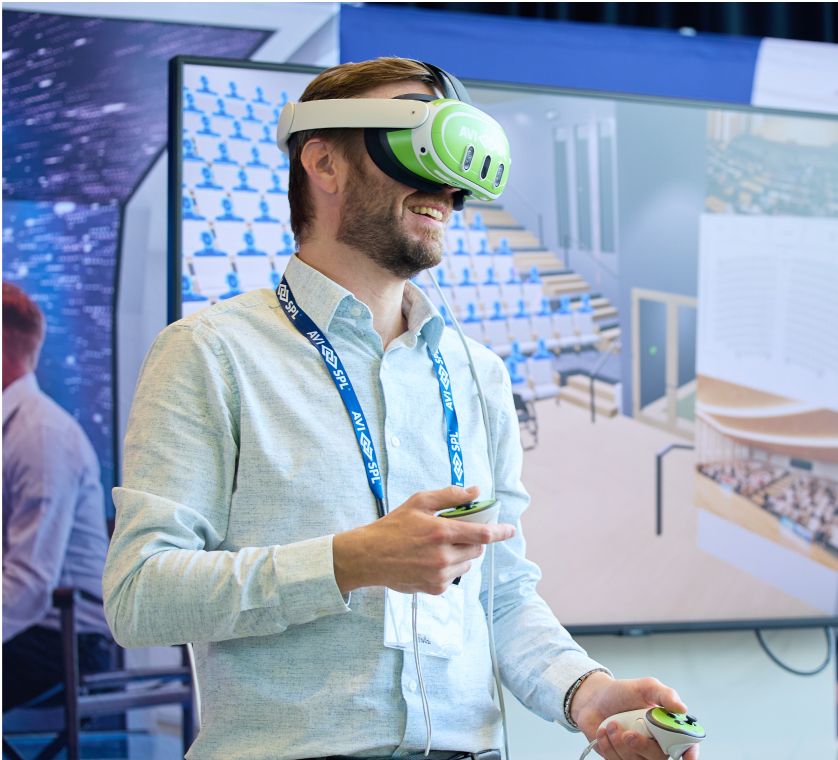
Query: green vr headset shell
[423, 142]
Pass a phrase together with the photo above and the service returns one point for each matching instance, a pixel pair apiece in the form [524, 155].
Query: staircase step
[607, 338]
[552, 288]
[605, 313]
[544, 260]
[492, 217]
[609, 324]
[602, 389]
[779, 486]
[577, 397]
[520, 238]
[596, 303]
[472, 204]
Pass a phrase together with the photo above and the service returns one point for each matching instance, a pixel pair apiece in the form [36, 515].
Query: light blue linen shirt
[54, 531]
[241, 465]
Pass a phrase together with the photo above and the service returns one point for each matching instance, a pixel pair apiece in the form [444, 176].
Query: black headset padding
[378, 146]
[449, 85]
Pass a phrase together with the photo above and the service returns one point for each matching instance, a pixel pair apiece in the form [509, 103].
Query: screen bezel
[175, 149]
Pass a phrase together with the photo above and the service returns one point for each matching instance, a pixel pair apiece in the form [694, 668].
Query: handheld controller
[674, 732]
[484, 512]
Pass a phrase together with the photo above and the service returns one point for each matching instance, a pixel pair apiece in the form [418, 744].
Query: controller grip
[677, 750]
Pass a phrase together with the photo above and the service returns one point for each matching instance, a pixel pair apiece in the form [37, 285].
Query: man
[246, 522]
[54, 532]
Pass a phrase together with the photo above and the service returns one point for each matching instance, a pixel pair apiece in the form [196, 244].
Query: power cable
[830, 644]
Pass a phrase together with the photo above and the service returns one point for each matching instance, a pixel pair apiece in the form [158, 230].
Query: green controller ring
[470, 508]
[676, 722]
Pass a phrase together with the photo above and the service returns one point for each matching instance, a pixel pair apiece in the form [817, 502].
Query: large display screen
[659, 279]
[63, 256]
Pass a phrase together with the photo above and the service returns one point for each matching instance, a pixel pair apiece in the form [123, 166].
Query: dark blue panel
[85, 100]
[63, 257]
[559, 54]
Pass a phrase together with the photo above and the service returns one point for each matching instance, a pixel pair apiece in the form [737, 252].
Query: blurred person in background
[54, 532]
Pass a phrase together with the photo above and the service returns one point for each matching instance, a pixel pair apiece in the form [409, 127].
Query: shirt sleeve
[43, 484]
[166, 582]
[538, 659]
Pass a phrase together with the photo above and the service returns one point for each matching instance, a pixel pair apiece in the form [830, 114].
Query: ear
[321, 162]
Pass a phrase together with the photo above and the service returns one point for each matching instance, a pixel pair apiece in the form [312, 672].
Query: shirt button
[395, 441]
[356, 311]
[411, 685]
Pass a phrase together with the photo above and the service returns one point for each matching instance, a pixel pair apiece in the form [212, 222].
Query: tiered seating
[533, 377]
[498, 302]
[805, 504]
[236, 231]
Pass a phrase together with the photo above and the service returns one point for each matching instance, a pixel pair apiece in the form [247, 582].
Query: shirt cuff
[307, 586]
[578, 667]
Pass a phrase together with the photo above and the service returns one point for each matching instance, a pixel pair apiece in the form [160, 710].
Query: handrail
[537, 213]
[615, 346]
[580, 246]
[658, 493]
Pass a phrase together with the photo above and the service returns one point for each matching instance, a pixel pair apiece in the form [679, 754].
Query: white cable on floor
[491, 454]
[191, 652]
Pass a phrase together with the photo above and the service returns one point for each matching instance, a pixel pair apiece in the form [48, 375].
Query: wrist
[350, 560]
[589, 686]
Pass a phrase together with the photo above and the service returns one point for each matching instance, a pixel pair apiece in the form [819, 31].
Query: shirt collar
[422, 316]
[320, 297]
[17, 392]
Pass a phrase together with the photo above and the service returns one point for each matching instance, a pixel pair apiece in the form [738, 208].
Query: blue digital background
[85, 100]
[64, 257]
[85, 115]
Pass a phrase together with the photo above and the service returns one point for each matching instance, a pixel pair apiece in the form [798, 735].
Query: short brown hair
[349, 80]
[23, 323]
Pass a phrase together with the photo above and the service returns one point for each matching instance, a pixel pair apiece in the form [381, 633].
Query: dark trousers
[33, 662]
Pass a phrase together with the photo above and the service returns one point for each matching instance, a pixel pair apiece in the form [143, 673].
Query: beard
[369, 224]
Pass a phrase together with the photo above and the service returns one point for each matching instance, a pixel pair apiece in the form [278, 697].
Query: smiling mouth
[425, 211]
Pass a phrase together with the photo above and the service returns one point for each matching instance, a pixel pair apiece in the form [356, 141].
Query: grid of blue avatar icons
[235, 233]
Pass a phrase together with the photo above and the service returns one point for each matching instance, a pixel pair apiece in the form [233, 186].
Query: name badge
[439, 622]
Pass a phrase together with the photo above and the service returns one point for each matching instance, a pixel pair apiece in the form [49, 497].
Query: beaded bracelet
[571, 692]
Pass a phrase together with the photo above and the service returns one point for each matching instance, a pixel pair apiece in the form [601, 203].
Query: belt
[486, 754]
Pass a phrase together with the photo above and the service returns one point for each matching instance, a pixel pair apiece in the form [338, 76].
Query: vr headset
[423, 142]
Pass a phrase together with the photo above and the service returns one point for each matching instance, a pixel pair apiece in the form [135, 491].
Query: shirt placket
[392, 362]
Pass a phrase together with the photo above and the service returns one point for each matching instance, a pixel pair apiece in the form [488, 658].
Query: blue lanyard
[454, 449]
[310, 331]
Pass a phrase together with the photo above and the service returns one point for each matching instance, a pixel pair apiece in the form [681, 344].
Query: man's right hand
[410, 550]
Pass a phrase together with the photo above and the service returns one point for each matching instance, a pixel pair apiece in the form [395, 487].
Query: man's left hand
[600, 696]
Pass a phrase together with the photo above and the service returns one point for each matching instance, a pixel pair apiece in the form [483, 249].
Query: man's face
[397, 227]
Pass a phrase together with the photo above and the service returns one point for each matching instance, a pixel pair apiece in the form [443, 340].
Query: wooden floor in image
[591, 529]
[741, 510]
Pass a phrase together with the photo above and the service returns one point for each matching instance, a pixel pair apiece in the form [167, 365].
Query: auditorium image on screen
[655, 274]
[235, 234]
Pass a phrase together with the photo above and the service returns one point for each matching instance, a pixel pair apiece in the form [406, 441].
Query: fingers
[476, 533]
[655, 693]
[457, 531]
[444, 498]
[615, 744]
